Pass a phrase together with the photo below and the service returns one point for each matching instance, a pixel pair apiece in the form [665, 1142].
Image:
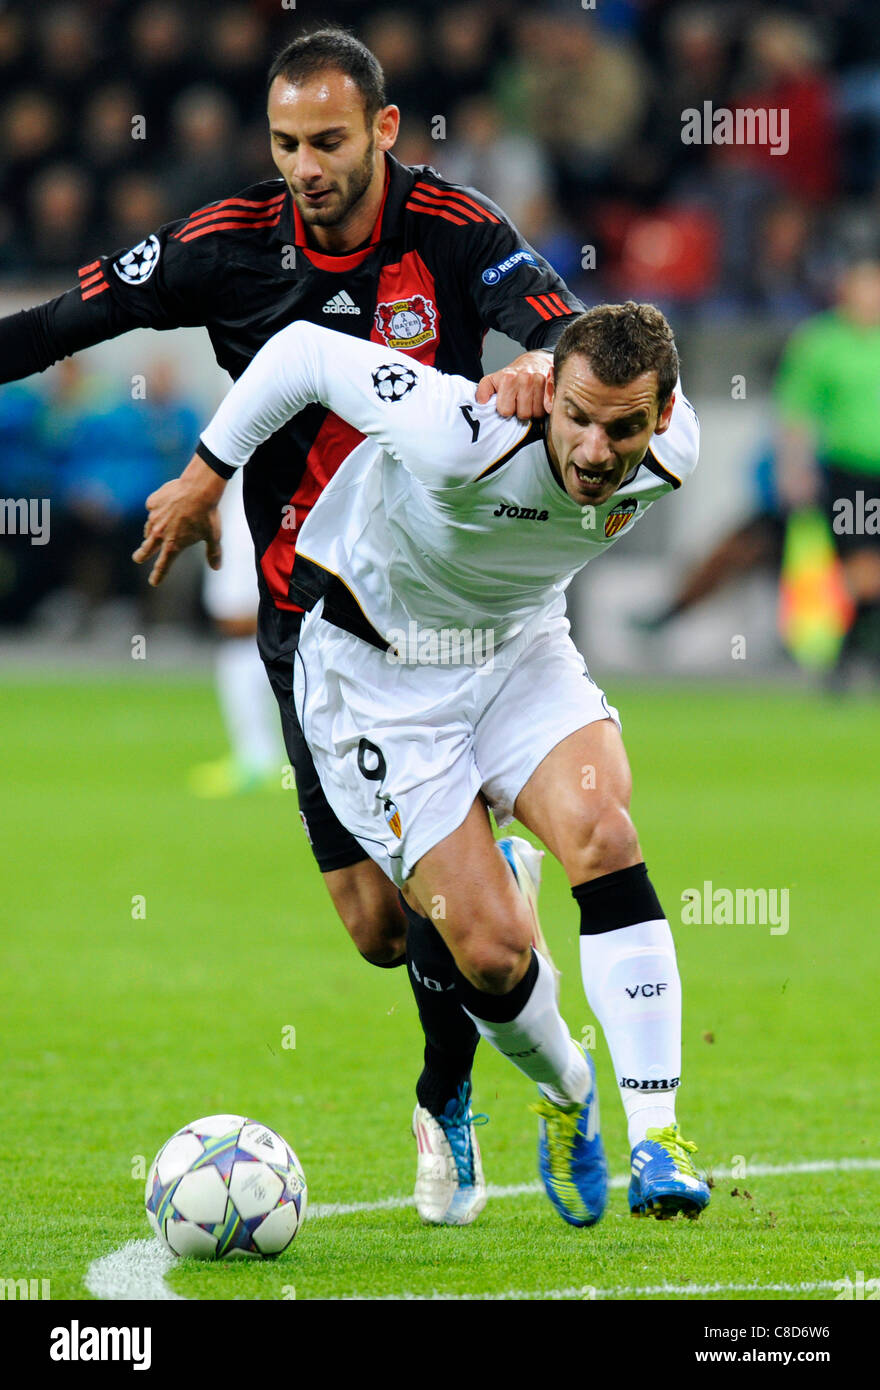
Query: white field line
[137, 1269]
[525, 1189]
[135, 1272]
[587, 1293]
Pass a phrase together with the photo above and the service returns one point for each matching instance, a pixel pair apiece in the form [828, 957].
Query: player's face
[323, 147]
[859, 294]
[597, 434]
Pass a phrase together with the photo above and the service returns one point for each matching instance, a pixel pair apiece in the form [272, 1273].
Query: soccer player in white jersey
[435, 675]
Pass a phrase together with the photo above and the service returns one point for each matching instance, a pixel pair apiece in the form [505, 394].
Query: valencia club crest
[618, 517]
[392, 816]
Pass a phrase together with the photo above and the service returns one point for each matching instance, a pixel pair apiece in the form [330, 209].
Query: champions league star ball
[226, 1186]
[138, 264]
[392, 382]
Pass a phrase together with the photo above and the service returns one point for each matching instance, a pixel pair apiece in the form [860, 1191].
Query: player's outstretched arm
[426, 419]
[160, 283]
[179, 514]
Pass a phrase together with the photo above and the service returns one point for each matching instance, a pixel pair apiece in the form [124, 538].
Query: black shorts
[332, 845]
[852, 504]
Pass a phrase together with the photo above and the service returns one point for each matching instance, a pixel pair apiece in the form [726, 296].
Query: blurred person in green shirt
[827, 394]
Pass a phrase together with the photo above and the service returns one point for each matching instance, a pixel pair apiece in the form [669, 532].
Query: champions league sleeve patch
[493, 273]
[138, 264]
[392, 382]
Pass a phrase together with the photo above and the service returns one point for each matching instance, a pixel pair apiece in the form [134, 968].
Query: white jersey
[447, 515]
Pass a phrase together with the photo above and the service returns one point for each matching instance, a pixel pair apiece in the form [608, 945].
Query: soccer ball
[226, 1186]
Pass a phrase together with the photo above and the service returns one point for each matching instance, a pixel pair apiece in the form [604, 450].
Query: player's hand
[519, 387]
[179, 514]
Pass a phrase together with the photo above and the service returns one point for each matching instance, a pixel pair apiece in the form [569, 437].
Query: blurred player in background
[828, 397]
[249, 711]
[347, 237]
[756, 543]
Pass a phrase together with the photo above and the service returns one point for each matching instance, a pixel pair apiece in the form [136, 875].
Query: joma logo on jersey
[407, 323]
[618, 517]
[521, 513]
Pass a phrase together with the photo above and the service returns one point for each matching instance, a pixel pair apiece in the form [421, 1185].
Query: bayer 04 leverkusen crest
[406, 323]
[618, 517]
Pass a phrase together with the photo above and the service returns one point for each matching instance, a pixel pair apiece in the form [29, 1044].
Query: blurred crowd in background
[570, 117]
[96, 447]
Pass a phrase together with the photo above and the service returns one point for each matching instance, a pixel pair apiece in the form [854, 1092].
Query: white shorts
[402, 751]
[231, 591]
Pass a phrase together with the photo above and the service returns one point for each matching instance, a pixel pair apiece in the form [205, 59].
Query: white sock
[632, 985]
[538, 1043]
[248, 705]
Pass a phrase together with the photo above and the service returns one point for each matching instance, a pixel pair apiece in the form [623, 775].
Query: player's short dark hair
[333, 47]
[620, 342]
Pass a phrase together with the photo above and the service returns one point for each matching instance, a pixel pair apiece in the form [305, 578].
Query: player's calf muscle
[367, 903]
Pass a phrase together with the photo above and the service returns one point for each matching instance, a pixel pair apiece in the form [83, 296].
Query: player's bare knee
[604, 845]
[494, 964]
[492, 972]
[386, 957]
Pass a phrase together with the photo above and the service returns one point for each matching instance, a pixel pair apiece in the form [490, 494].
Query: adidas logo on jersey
[341, 303]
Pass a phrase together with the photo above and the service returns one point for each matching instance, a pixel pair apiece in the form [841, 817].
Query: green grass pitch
[119, 1027]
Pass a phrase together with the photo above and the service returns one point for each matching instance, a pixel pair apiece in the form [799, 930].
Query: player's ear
[549, 391]
[387, 126]
[664, 419]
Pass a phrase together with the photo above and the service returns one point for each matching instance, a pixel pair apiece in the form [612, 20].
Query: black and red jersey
[442, 266]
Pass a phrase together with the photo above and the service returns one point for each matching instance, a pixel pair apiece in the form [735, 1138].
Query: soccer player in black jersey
[350, 238]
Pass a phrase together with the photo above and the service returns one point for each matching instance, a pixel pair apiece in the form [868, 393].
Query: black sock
[619, 899]
[499, 1008]
[450, 1036]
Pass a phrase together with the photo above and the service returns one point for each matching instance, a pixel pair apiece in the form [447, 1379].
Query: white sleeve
[427, 420]
[678, 449]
